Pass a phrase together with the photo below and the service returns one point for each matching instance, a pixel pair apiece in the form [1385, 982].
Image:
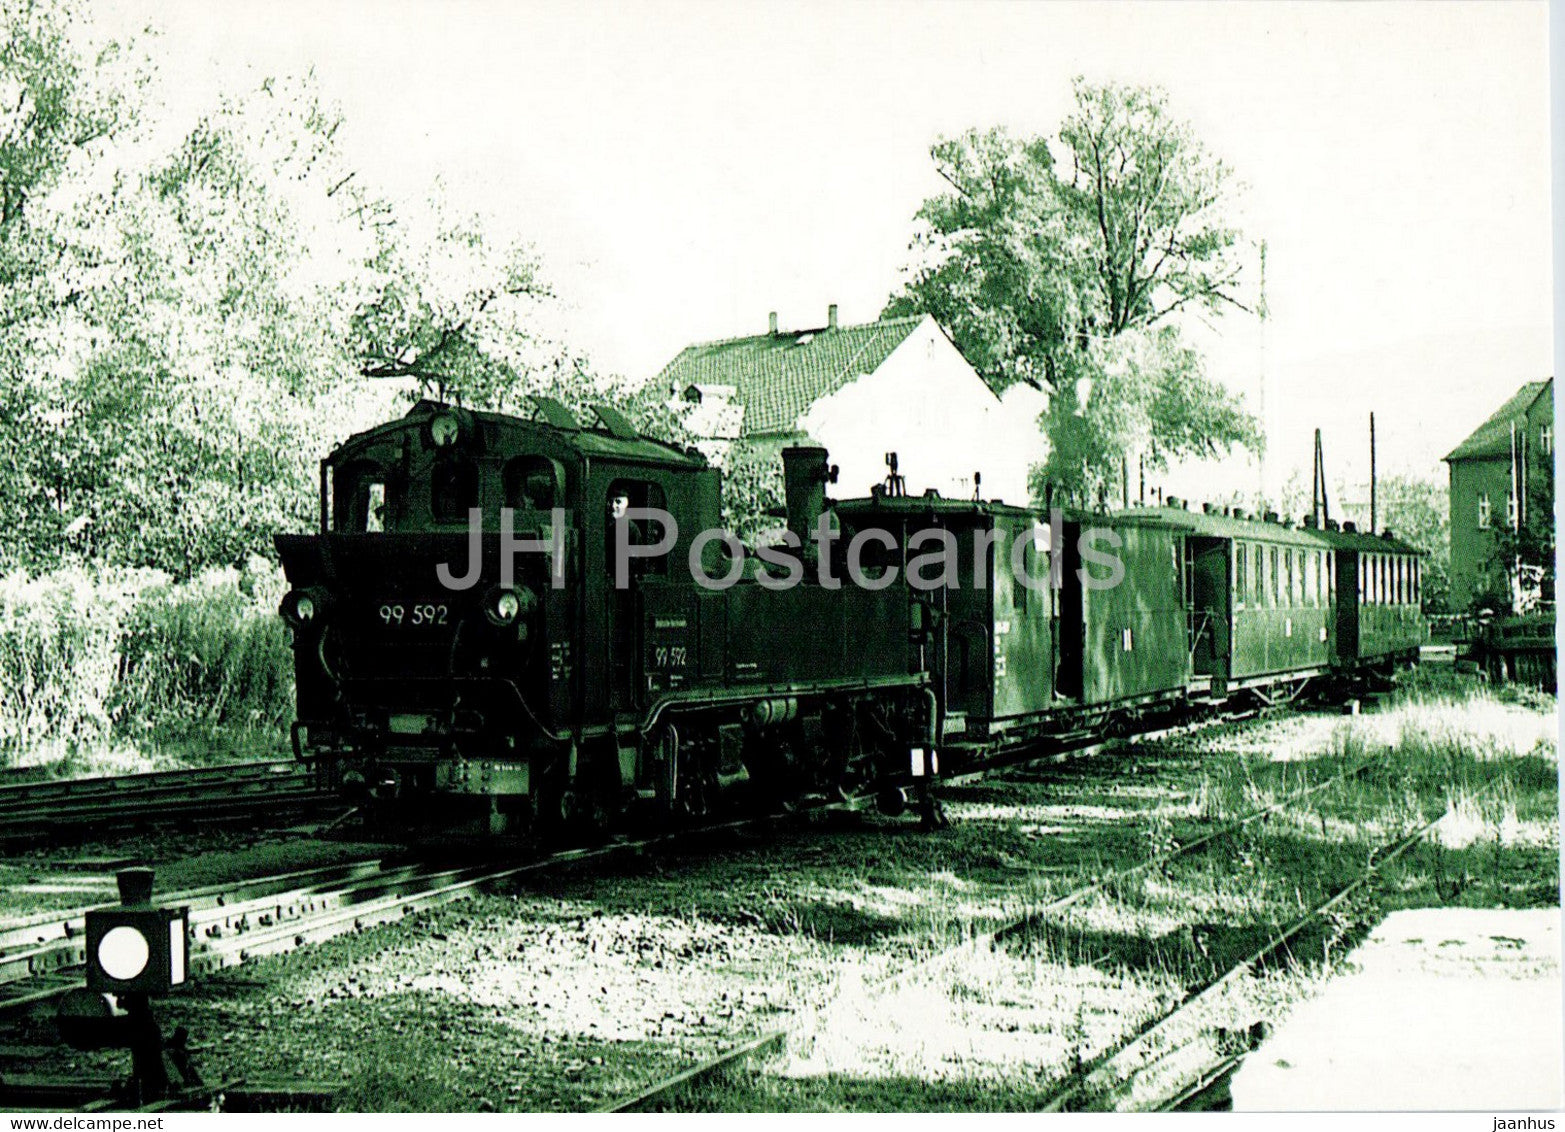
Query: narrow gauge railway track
[42, 945]
[231, 924]
[748, 1048]
[40, 959]
[1199, 1065]
[41, 810]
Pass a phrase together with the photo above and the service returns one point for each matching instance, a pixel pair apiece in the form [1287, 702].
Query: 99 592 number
[413, 614]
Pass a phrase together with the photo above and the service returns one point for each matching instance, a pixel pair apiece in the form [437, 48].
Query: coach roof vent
[1207, 508]
[1174, 501]
[1350, 527]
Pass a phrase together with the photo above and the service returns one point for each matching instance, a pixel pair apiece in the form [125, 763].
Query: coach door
[1023, 622]
[1210, 607]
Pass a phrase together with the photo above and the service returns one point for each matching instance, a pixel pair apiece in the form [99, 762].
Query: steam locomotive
[490, 624]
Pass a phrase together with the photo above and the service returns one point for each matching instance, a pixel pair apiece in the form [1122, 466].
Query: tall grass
[94, 658]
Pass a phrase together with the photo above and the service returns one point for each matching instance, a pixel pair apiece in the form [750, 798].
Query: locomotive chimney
[831, 317]
[771, 323]
[804, 488]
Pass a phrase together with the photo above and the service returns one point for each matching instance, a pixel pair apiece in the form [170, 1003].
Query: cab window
[624, 494]
[531, 483]
[359, 501]
[453, 490]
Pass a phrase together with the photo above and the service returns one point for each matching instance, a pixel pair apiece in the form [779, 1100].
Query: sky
[685, 168]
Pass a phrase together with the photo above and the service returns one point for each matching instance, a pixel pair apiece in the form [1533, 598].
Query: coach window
[1273, 579]
[1241, 574]
[1257, 574]
[1311, 572]
[1285, 597]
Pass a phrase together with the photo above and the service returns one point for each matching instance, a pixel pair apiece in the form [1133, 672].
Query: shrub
[88, 656]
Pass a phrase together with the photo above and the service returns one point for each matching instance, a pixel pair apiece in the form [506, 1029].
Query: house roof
[777, 377]
[1493, 437]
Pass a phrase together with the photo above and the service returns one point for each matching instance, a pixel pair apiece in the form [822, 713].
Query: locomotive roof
[615, 440]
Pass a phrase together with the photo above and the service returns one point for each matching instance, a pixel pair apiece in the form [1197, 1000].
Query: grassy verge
[119, 671]
[1005, 1028]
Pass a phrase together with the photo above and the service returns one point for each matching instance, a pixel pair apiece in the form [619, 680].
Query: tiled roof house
[894, 385]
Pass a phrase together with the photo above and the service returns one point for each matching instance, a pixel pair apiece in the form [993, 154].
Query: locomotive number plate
[426, 613]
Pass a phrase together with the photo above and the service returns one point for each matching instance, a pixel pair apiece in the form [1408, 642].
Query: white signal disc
[123, 953]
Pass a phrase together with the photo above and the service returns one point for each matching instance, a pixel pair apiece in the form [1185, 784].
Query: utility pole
[1262, 312]
[1321, 506]
[1374, 512]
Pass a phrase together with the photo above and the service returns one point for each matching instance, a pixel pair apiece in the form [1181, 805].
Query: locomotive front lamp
[300, 607]
[503, 606]
[444, 430]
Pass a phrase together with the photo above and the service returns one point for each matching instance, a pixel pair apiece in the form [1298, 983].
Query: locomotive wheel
[891, 801]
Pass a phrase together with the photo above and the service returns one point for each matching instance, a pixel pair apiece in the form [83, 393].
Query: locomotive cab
[453, 621]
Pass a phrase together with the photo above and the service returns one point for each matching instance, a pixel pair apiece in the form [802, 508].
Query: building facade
[863, 392]
[1495, 487]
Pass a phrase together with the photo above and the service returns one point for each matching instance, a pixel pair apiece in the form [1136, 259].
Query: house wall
[926, 404]
[1472, 548]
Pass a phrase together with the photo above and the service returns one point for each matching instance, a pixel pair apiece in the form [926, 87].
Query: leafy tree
[753, 496]
[1071, 271]
[1419, 511]
[63, 98]
[194, 379]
